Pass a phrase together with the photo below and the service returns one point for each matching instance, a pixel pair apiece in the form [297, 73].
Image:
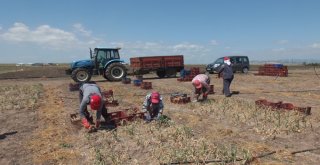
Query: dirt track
[46, 136]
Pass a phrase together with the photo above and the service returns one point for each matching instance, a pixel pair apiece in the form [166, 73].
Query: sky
[201, 30]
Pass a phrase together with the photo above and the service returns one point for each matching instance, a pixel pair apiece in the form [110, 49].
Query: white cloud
[43, 34]
[187, 46]
[80, 38]
[79, 28]
[213, 42]
[193, 53]
[0, 28]
[138, 45]
[279, 50]
[282, 42]
[85, 35]
[315, 45]
[117, 44]
[49, 37]
[158, 47]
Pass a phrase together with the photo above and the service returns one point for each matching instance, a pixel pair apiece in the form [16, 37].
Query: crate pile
[138, 81]
[74, 87]
[123, 116]
[273, 70]
[188, 75]
[146, 85]
[179, 98]
[211, 91]
[109, 100]
[284, 106]
[126, 80]
[117, 118]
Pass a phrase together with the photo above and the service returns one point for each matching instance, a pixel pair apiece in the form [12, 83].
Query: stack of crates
[189, 74]
[273, 70]
[74, 87]
[194, 72]
[138, 81]
[126, 80]
[112, 103]
[146, 85]
[211, 91]
[179, 98]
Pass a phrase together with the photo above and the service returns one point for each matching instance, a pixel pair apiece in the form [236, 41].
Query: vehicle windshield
[112, 54]
[219, 61]
[93, 55]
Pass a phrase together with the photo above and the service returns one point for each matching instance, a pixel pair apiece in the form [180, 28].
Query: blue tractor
[104, 61]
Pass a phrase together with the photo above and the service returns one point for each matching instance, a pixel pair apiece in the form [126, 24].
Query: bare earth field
[36, 129]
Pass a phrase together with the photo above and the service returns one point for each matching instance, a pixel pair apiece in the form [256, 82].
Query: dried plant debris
[15, 97]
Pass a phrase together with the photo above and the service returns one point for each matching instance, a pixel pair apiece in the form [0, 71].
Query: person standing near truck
[90, 94]
[152, 106]
[227, 74]
[201, 84]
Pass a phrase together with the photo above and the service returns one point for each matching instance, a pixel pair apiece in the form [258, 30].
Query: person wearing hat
[90, 94]
[227, 74]
[152, 106]
[201, 84]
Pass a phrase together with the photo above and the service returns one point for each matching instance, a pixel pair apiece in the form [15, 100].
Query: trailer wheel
[161, 73]
[81, 75]
[115, 72]
[171, 73]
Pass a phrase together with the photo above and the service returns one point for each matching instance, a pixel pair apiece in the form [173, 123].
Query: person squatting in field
[201, 84]
[152, 106]
[90, 94]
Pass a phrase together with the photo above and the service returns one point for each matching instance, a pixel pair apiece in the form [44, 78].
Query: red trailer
[162, 65]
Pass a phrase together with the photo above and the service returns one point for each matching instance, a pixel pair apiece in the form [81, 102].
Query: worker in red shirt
[201, 84]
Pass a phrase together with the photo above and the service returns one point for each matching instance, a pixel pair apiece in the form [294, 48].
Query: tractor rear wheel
[115, 72]
[81, 75]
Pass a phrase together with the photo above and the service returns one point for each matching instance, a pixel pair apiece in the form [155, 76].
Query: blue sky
[201, 30]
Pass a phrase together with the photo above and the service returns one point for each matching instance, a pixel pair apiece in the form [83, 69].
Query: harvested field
[36, 128]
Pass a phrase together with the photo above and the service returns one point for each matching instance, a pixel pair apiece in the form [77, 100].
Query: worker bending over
[90, 94]
[152, 106]
[201, 84]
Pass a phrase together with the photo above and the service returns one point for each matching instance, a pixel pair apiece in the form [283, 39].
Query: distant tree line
[311, 64]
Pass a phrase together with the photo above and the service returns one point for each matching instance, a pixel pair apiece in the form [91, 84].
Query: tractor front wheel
[115, 72]
[81, 75]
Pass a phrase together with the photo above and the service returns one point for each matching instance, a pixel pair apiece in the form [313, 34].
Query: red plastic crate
[146, 85]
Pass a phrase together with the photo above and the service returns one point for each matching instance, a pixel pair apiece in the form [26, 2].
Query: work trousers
[226, 86]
